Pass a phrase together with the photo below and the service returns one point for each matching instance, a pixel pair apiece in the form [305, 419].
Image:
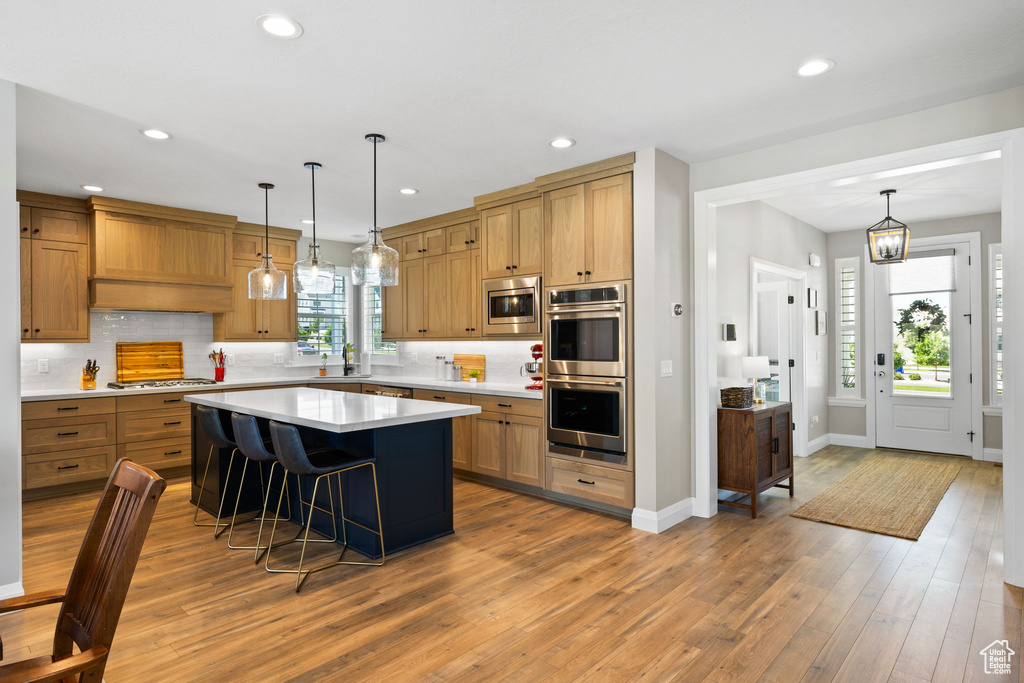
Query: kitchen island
[411, 441]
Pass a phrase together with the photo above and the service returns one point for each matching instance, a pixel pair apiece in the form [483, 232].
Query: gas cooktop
[160, 383]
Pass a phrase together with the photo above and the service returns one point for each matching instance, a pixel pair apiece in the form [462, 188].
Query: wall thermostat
[814, 260]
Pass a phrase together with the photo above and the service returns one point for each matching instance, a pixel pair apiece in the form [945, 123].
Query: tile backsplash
[250, 359]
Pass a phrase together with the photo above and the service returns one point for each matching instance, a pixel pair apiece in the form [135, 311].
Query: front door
[922, 351]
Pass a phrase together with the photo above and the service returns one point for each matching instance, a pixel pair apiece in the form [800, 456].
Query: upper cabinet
[589, 232]
[156, 258]
[54, 268]
[463, 237]
[423, 244]
[512, 239]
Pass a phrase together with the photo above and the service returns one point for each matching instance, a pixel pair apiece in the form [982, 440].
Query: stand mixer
[535, 368]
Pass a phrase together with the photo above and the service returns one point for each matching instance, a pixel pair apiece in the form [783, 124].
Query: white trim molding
[12, 590]
[992, 411]
[666, 518]
[843, 402]
[815, 445]
[853, 440]
[993, 455]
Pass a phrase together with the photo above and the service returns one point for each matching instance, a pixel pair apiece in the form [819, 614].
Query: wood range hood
[147, 257]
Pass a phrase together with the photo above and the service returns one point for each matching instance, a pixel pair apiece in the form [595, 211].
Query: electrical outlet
[666, 368]
[414, 358]
[44, 365]
[278, 359]
[230, 358]
[814, 419]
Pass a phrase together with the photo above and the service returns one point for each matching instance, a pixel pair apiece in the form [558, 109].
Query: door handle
[880, 373]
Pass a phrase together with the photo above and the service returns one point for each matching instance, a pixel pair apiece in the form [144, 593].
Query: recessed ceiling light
[815, 67]
[155, 134]
[408, 190]
[92, 188]
[562, 143]
[279, 26]
[307, 221]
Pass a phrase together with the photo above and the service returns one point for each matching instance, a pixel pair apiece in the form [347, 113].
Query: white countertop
[487, 388]
[332, 411]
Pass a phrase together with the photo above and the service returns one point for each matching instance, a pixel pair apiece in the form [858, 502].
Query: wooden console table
[755, 450]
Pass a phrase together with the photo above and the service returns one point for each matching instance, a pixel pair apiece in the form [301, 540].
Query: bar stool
[295, 459]
[213, 430]
[253, 446]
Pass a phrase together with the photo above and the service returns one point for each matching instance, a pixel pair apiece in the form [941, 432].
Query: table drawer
[516, 406]
[148, 425]
[66, 467]
[159, 454]
[74, 407]
[63, 433]
[441, 396]
[153, 401]
[351, 388]
[377, 388]
[593, 482]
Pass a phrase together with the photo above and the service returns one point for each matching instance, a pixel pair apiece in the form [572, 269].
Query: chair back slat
[106, 562]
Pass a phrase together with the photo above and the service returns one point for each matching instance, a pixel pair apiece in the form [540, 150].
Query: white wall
[662, 409]
[504, 358]
[759, 230]
[10, 405]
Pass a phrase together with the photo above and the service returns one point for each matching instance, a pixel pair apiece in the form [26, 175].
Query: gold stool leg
[220, 509]
[202, 487]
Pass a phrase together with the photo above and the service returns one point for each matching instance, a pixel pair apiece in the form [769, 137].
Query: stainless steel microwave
[512, 306]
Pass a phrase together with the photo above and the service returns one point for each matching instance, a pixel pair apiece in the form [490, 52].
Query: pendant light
[267, 282]
[375, 263]
[888, 239]
[314, 274]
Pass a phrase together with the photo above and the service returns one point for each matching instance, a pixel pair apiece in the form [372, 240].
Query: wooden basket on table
[738, 397]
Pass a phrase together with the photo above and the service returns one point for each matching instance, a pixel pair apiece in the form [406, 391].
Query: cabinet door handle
[472, 241]
[69, 408]
[36, 231]
[66, 433]
[26, 230]
[508, 267]
[579, 273]
[441, 398]
[25, 331]
[472, 329]
[168, 424]
[171, 452]
[588, 272]
[467, 241]
[172, 400]
[514, 266]
[66, 467]
[583, 481]
[504, 405]
[775, 448]
[507, 422]
[37, 330]
[467, 329]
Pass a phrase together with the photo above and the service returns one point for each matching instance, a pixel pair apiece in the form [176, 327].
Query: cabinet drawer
[153, 401]
[593, 482]
[64, 433]
[377, 388]
[351, 388]
[149, 425]
[51, 469]
[75, 407]
[160, 454]
[516, 406]
[440, 396]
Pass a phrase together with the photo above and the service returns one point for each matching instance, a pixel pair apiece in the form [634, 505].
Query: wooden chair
[91, 605]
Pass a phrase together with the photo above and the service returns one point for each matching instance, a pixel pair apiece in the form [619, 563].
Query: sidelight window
[847, 278]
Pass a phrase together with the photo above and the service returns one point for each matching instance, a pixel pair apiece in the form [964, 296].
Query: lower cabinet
[755, 450]
[581, 479]
[462, 427]
[508, 446]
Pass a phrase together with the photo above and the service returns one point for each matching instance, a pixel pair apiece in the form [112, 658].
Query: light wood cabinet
[589, 232]
[246, 247]
[423, 244]
[255, 320]
[392, 300]
[508, 445]
[25, 222]
[462, 427]
[464, 294]
[410, 279]
[489, 444]
[512, 239]
[462, 237]
[55, 291]
[54, 225]
[424, 293]
[591, 482]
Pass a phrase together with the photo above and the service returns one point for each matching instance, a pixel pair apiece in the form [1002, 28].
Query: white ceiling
[467, 92]
[961, 190]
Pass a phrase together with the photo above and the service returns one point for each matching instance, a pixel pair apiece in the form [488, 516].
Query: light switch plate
[44, 365]
[414, 358]
[278, 359]
[666, 368]
[230, 358]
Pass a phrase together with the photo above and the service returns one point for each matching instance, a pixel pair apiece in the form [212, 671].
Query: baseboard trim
[848, 440]
[992, 455]
[12, 590]
[666, 518]
[816, 445]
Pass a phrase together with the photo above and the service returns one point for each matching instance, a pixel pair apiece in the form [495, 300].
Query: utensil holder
[218, 374]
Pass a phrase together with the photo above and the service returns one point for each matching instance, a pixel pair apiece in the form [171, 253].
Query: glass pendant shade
[267, 282]
[314, 274]
[375, 263]
[888, 239]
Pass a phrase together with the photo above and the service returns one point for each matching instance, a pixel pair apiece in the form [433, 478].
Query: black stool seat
[332, 460]
[250, 441]
[293, 455]
[212, 427]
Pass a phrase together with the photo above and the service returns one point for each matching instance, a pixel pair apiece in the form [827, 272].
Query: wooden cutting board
[144, 361]
[471, 361]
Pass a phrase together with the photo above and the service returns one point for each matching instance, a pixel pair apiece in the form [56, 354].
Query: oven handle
[616, 383]
[583, 309]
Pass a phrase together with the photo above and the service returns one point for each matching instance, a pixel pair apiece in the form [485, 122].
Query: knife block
[86, 383]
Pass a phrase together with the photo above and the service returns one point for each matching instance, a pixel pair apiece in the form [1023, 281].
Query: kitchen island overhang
[411, 441]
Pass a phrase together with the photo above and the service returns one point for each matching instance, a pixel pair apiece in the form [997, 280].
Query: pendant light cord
[312, 184]
[266, 221]
[375, 191]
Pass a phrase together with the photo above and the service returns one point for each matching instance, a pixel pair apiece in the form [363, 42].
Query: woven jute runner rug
[885, 495]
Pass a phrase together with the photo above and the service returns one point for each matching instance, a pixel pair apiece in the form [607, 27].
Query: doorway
[924, 349]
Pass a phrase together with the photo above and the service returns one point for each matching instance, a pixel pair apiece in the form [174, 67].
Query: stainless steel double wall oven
[586, 365]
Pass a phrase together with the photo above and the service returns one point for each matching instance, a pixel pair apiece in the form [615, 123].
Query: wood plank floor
[528, 590]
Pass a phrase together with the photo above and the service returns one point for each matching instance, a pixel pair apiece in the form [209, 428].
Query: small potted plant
[323, 365]
[474, 375]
